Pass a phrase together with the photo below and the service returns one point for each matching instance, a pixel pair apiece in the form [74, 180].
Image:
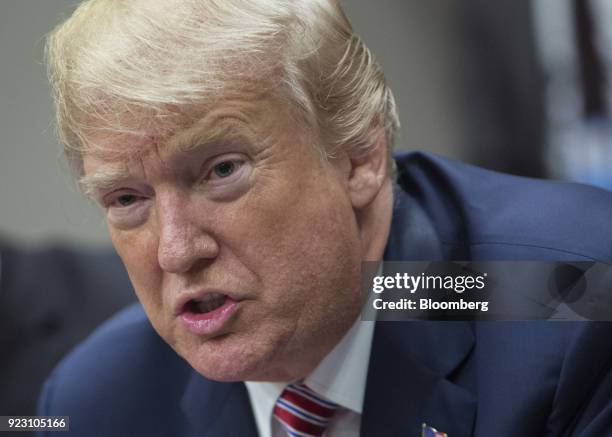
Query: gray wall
[39, 201]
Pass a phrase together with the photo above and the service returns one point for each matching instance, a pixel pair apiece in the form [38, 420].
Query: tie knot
[302, 412]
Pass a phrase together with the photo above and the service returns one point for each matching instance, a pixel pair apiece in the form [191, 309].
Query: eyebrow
[214, 128]
[102, 179]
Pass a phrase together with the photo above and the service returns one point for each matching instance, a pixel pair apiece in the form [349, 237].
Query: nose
[184, 240]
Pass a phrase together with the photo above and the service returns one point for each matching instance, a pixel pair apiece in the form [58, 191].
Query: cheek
[139, 255]
[299, 239]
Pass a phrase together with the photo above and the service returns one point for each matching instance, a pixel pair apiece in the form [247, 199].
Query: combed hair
[152, 67]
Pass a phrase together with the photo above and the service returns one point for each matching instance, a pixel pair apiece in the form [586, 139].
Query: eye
[121, 200]
[225, 168]
[126, 209]
[226, 177]
[126, 199]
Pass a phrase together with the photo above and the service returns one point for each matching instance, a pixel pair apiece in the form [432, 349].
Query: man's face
[244, 251]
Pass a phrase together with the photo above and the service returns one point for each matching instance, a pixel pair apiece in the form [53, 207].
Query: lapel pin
[428, 431]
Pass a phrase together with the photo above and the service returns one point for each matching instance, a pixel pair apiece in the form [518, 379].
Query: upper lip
[185, 297]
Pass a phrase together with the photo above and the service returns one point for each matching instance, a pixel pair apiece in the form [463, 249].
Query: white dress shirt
[339, 377]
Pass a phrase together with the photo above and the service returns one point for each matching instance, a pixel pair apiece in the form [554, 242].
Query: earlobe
[368, 175]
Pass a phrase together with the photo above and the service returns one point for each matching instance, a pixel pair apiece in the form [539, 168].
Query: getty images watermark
[493, 290]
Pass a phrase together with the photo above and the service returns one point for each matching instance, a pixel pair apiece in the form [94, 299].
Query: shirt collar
[339, 377]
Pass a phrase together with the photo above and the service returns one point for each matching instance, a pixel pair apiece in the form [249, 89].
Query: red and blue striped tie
[302, 412]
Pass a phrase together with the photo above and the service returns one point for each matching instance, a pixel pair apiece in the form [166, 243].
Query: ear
[368, 175]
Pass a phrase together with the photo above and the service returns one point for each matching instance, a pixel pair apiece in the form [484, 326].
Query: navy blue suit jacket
[464, 378]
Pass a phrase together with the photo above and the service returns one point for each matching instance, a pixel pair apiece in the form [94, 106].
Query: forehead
[256, 118]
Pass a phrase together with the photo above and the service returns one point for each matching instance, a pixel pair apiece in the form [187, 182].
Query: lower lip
[209, 323]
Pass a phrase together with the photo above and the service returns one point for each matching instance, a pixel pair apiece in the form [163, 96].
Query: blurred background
[520, 86]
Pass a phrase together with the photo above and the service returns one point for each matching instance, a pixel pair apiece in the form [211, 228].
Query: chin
[227, 360]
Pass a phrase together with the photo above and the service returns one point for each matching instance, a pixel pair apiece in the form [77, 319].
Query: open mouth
[207, 312]
[207, 303]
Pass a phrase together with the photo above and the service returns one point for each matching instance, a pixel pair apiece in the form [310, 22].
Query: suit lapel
[408, 379]
[412, 364]
[217, 409]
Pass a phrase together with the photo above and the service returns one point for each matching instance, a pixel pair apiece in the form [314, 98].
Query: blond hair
[149, 68]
